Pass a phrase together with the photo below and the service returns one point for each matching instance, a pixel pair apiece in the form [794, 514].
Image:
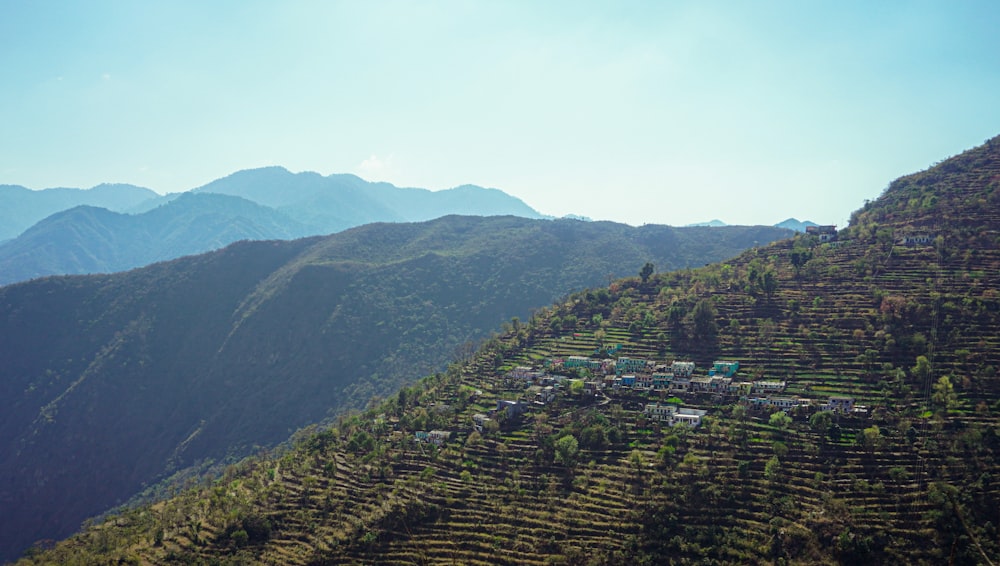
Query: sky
[666, 112]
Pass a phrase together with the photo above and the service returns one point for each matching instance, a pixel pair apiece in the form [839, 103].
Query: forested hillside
[110, 383]
[877, 444]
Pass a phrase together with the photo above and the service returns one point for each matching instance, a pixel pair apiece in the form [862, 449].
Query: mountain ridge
[301, 194]
[23, 207]
[88, 239]
[286, 206]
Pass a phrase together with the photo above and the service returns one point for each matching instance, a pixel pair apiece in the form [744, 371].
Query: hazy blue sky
[641, 112]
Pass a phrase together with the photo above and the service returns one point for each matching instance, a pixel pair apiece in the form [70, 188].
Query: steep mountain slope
[336, 202]
[86, 239]
[899, 315]
[111, 382]
[20, 207]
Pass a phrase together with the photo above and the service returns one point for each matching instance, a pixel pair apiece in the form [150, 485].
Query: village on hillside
[675, 393]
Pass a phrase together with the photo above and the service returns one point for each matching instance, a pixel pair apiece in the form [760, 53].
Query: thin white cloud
[375, 166]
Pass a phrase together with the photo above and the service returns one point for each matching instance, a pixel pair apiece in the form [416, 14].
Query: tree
[822, 425]
[706, 330]
[820, 422]
[780, 448]
[922, 369]
[594, 437]
[944, 395]
[835, 432]
[637, 463]
[491, 427]
[799, 257]
[646, 272]
[567, 448]
[772, 469]
[780, 420]
[769, 282]
[871, 438]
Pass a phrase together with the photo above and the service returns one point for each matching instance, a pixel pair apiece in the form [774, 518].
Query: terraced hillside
[899, 314]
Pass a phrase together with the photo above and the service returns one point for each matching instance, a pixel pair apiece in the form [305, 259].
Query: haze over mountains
[336, 202]
[110, 382]
[259, 204]
[790, 223]
[20, 208]
[896, 317]
[64, 232]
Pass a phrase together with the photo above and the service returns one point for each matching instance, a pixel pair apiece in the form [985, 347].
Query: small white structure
[767, 387]
[674, 415]
[839, 405]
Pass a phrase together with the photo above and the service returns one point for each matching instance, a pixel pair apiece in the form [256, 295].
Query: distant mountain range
[87, 239]
[20, 208]
[113, 228]
[790, 224]
[118, 227]
[110, 382]
[337, 202]
[794, 224]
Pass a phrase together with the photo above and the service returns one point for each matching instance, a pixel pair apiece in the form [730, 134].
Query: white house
[674, 415]
[682, 369]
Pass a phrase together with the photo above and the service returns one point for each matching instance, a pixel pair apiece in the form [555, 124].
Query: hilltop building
[823, 233]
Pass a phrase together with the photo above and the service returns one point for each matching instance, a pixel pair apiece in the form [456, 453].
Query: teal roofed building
[726, 369]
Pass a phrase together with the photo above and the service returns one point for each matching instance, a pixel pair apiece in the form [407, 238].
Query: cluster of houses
[639, 374]
[678, 377]
[626, 373]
